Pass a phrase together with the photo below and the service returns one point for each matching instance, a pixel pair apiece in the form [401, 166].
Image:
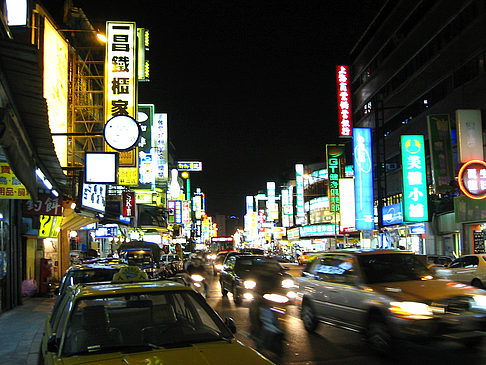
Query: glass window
[457, 263]
[471, 261]
[392, 267]
[141, 321]
[335, 268]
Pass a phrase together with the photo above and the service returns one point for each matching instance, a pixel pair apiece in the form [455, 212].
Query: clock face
[122, 133]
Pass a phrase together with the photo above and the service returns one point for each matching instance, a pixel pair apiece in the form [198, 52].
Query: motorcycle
[267, 317]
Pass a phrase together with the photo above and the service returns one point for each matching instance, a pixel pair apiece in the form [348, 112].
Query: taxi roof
[110, 288]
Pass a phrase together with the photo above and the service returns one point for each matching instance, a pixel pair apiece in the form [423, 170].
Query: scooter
[267, 317]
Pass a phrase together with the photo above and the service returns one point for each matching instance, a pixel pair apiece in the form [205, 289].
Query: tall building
[417, 64]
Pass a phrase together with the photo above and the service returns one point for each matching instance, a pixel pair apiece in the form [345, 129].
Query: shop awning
[74, 220]
[24, 125]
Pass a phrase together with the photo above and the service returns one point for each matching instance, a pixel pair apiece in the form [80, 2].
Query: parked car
[132, 320]
[243, 275]
[388, 295]
[468, 269]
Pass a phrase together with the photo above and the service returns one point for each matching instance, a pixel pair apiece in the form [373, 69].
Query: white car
[468, 269]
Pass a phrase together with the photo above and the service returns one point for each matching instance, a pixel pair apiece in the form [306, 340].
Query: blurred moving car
[439, 260]
[245, 275]
[388, 295]
[132, 320]
[468, 269]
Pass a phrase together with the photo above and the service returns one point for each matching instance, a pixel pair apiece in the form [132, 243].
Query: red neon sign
[344, 101]
[472, 179]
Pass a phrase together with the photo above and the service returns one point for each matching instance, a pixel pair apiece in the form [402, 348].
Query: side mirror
[52, 343]
[230, 323]
[286, 268]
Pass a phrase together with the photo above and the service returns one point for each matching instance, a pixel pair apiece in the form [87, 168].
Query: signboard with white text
[415, 207]
[344, 101]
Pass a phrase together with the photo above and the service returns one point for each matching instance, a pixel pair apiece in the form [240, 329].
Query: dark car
[246, 275]
[439, 260]
[222, 256]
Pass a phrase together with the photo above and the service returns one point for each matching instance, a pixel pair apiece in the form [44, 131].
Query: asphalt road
[331, 345]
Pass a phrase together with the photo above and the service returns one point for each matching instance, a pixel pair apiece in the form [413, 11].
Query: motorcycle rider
[195, 267]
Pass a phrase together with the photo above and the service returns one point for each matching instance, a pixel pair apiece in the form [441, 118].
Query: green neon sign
[415, 208]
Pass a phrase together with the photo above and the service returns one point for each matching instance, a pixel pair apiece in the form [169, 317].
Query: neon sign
[344, 101]
[472, 179]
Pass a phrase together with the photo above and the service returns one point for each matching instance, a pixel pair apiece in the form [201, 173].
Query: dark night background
[249, 87]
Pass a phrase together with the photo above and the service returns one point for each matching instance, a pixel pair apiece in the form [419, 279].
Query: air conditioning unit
[391, 166]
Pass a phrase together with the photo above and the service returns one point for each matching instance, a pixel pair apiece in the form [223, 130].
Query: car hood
[202, 354]
[424, 290]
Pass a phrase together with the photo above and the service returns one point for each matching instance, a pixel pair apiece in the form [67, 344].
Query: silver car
[388, 295]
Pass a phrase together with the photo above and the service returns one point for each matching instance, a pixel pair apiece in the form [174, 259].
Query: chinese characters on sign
[344, 101]
[335, 163]
[128, 203]
[120, 79]
[299, 181]
[415, 206]
[44, 205]
[363, 179]
[189, 166]
[472, 179]
[10, 186]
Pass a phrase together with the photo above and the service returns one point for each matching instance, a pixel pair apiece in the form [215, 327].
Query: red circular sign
[472, 179]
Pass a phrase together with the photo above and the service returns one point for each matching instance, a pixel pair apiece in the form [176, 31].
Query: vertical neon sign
[344, 101]
[299, 181]
[415, 208]
[363, 187]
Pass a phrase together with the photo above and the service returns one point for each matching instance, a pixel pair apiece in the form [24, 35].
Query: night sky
[249, 87]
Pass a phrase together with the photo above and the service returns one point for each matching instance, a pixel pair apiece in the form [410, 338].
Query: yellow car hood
[424, 289]
[202, 354]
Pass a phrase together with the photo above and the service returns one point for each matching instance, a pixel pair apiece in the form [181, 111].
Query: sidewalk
[21, 330]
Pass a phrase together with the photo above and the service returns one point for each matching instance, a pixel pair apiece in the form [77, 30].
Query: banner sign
[469, 141]
[344, 101]
[392, 214]
[347, 216]
[319, 230]
[49, 226]
[160, 137]
[299, 181]
[440, 143]
[415, 206]
[472, 179]
[189, 166]
[335, 166]
[363, 179]
[128, 203]
[10, 186]
[44, 205]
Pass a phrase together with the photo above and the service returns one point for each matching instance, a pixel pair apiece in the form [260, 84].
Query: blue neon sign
[392, 214]
[363, 175]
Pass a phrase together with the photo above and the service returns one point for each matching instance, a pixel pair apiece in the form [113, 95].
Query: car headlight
[249, 284]
[411, 310]
[218, 267]
[288, 283]
[197, 277]
[479, 302]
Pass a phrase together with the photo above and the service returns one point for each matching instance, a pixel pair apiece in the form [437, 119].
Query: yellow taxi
[132, 320]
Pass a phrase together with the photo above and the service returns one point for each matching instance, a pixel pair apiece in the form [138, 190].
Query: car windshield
[392, 267]
[139, 258]
[140, 322]
[258, 264]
